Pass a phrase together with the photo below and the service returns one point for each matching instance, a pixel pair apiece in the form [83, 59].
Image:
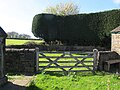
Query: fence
[66, 61]
[24, 60]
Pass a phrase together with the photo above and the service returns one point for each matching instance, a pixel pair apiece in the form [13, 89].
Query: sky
[17, 15]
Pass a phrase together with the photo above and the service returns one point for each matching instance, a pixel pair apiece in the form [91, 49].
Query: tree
[63, 9]
[24, 36]
[17, 35]
[13, 35]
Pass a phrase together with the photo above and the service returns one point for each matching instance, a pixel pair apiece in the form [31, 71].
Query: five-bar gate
[66, 61]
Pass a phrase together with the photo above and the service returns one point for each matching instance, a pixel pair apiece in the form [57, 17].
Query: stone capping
[56, 47]
[117, 29]
[2, 33]
[106, 51]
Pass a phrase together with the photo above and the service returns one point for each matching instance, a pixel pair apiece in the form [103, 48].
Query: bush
[31, 43]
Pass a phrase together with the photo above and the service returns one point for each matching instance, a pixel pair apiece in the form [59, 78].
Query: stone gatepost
[3, 35]
[115, 43]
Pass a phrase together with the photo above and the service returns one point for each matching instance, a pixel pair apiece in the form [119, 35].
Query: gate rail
[81, 61]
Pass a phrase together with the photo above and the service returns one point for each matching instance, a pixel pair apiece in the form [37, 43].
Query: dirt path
[17, 83]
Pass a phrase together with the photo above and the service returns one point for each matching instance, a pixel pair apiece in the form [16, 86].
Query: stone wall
[58, 47]
[23, 60]
[20, 61]
[3, 80]
[115, 43]
[73, 48]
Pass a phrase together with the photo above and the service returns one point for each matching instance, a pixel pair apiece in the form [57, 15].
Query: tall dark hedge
[81, 29]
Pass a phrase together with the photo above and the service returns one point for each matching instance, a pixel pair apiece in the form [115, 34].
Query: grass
[75, 81]
[20, 42]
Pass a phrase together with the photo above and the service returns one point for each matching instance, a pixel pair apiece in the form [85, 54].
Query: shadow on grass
[98, 73]
[11, 86]
[60, 74]
[14, 74]
[57, 74]
[33, 87]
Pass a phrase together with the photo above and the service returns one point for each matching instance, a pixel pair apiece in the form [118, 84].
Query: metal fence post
[96, 55]
[37, 58]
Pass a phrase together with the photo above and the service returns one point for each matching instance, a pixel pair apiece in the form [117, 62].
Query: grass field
[20, 42]
[78, 81]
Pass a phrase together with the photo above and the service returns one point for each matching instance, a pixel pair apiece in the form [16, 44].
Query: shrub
[82, 29]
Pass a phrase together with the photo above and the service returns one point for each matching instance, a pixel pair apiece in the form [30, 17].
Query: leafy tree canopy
[63, 9]
[17, 35]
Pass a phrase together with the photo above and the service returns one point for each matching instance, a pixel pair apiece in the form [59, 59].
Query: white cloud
[116, 1]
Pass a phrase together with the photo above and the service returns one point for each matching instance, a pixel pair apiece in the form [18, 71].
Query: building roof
[116, 30]
[2, 33]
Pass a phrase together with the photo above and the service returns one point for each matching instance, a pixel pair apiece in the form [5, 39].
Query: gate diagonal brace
[78, 62]
[53, 62]
[88, 68]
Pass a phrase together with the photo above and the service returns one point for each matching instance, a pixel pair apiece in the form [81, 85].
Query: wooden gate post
[95, 55]
[37, 58]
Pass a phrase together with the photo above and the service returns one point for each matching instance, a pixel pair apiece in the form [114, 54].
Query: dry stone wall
[115, 43]
[20, 61]
[23, 60]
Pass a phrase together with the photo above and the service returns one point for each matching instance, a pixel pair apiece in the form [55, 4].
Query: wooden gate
[66, 61]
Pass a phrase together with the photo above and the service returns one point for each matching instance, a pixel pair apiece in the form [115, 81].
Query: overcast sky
[17, 15]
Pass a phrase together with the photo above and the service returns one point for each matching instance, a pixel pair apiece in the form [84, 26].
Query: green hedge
[81, 29]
